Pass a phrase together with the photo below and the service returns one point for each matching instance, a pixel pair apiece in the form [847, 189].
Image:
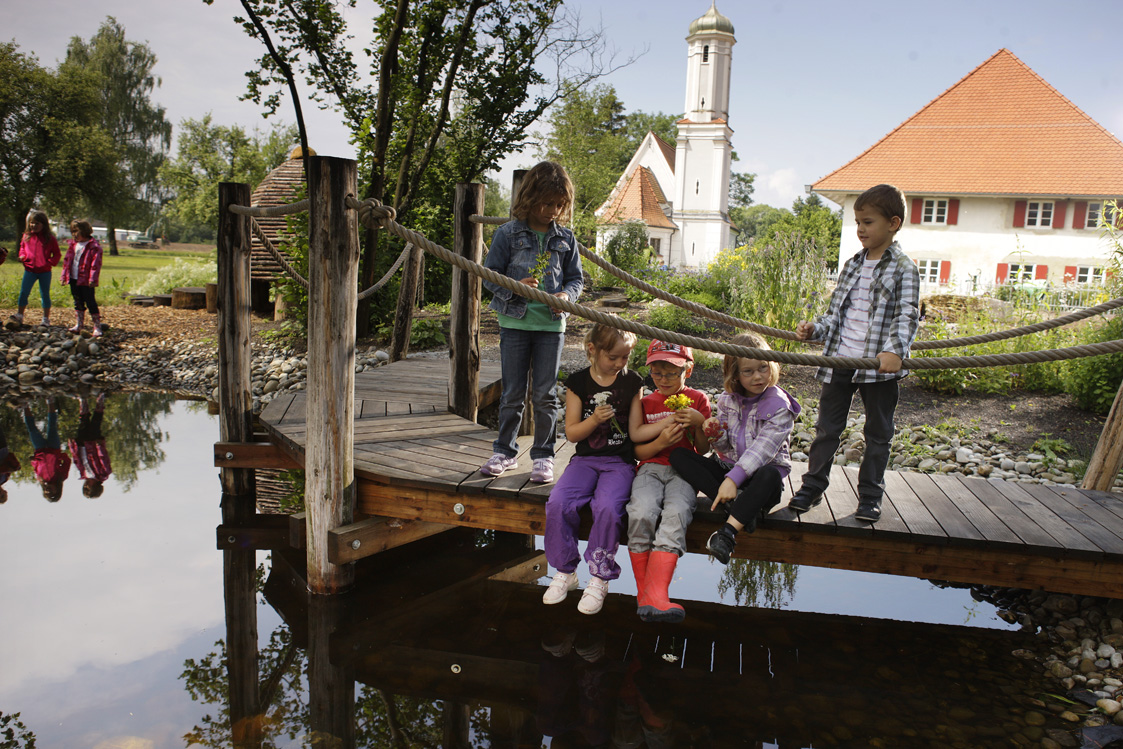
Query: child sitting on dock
[50, 463]
[600, 473]
[662, 502]
[534, 250]
[750, 431]
[88, 450]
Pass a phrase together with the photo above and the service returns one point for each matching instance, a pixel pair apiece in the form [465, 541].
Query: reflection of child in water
[8, 462]
[50, 463]
[88, 447]
[577, 687]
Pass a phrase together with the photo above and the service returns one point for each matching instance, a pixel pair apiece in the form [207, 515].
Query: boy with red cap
[662, 502]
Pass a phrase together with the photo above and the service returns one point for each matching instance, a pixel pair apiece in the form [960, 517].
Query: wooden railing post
[1107, 458]
[333, 268]
[235, 401]
[407, 300]
[464, 311]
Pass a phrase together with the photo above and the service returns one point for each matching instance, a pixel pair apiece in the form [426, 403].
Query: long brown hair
[41, 217]
[731, 364]
[546, 180]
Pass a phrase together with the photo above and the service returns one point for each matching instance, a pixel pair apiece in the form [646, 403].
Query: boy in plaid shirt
[873, 312]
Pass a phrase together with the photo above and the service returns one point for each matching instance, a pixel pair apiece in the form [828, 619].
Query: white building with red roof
[1005, 181]
[681, 192]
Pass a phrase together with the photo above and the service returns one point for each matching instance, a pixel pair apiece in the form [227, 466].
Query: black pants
[759, 494]
[880, 401]
[83, 297]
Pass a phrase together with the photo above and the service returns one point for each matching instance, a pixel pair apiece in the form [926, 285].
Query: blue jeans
[520, 351]
[38, 441]
[29, 280]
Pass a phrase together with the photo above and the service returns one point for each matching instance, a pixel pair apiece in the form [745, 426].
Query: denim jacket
[514, 251]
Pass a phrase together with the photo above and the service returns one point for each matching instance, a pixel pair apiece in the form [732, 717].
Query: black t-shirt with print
[610, 438]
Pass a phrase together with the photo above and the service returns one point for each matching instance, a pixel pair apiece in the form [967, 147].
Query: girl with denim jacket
[534, 250]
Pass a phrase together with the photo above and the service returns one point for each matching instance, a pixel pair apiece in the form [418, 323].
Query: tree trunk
[111, 235]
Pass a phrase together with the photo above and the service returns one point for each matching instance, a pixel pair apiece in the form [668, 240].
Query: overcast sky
[815, 83]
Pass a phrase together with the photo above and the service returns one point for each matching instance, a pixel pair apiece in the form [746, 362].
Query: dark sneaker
[869, 509]
[720, 545]
[804, 501]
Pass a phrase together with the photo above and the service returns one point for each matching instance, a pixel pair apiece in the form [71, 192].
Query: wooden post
[527, 425]
[331, 686]
[240, 590]
[333, 268]
[235, 401]
[1107, 458]
[407, 297]
[464, 311]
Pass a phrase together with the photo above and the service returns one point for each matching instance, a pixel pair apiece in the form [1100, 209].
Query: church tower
[703, 150]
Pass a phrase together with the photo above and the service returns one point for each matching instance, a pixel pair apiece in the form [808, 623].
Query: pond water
[115, 634]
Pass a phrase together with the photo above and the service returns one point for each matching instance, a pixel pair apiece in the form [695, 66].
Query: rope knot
[371, 211]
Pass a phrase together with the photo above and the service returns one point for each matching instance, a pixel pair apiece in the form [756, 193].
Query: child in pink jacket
[39, 253]
[50, 463]
[81, 269]
[87, 449]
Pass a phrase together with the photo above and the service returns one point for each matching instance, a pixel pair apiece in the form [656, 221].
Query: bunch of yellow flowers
[678, 402]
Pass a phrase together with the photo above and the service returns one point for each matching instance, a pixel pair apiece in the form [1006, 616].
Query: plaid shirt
[894, 312]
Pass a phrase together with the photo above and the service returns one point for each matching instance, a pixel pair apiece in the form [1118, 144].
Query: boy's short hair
[545, 180]
[672, 353]
[731, 381]
[82, 228]
[887, 199]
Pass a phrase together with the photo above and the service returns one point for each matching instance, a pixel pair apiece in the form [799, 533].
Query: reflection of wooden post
[457, 726]
[235, 403]
[1107, 459]
[239, 573]
[464, 313]
[407, 300]
[527, 426]
[331, 688]
[332, 277]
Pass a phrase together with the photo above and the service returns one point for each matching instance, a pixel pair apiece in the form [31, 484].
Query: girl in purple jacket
[38, 251]
[81, 269]
[749, 434]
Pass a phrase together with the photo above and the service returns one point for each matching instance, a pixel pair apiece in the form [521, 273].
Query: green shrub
[423, 334]
[1094, 380]
[677, 319]
[182, 272]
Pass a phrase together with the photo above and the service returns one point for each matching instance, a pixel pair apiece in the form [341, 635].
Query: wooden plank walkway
[415, 461]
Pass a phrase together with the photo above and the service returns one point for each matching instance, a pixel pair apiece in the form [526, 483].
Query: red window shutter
[1079, 213]
[945, 271]
[953, 212]
[1070, 273]
[1019, 213]
[1059, 209]
[1040, 272]
[917, 210]
[1003, 272]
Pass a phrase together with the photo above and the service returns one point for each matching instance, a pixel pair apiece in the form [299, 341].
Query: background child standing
[39, 252]
[534, 250]
[873, 312]
[662, 502]
[81, 269]
[88, 450]
[599, 401]
[750, 430]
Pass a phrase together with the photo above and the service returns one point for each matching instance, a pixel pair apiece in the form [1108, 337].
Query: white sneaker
[560, 586]
[593, 597]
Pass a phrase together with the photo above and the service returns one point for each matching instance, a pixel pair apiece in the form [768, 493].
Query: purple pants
[605, 482]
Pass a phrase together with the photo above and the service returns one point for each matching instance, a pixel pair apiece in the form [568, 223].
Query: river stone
[1023, 467]
[963, 455]
[928, 464]
[1034, 718]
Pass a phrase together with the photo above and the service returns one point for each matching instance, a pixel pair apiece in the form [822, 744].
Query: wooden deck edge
[790, 543]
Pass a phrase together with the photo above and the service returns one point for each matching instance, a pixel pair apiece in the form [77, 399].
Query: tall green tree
[207, 154]
[45, 152]
[139, 129]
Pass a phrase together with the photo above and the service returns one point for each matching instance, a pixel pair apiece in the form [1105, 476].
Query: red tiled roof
[1000, 130]
[639, 200]
[667, 149]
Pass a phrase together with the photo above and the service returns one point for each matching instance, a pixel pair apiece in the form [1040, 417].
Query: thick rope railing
[289, 270]
[388, 274]
[375, 215]
[271, 211]
[737, 322]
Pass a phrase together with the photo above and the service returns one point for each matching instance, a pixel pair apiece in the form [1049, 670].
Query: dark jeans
[518, 351]
[759, 494]
[84, 297]
[880, 401]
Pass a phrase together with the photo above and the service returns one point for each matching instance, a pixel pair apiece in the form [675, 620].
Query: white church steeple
[703, 150]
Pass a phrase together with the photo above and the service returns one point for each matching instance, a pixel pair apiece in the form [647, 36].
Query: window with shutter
[935, 211]
[1019, 213]
[1039, 214]
[917, 211]
[953, 212]
[1079, 213]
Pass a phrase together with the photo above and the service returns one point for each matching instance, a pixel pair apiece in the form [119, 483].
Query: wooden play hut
[280, 187]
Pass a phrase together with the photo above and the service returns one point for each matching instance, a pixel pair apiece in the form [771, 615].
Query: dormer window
[706, 53]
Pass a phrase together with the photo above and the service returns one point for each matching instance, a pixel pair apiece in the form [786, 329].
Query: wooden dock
[418, 464]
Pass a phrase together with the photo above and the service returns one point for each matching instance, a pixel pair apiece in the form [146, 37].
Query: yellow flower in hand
[677, 402]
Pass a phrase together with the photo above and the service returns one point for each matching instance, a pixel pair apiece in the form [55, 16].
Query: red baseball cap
[672, 353]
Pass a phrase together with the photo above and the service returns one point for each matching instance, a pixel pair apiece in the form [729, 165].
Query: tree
[756, 221]
[140, 132]
[640, 123]
[207, 154]
[818, 225]
[446, 96]
[45, 152]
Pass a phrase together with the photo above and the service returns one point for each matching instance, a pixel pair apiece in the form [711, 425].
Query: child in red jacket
[87, 449]
[81, 269]
[39, 253]
[50, 463]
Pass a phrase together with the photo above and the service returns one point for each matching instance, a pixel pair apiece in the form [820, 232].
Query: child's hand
[670, 436]
[713, 428]
[890, 362]
[804, 330]
[531, 282]
[727, 492]
[562, 295]
[603, 414]
[689, 417]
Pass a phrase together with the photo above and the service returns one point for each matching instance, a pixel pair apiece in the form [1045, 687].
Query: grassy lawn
[120, 274]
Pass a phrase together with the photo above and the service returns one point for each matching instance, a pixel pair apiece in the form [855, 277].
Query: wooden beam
[252, 455]
[261, 532]
[464, 315]
[350, 543]
[1107, 459]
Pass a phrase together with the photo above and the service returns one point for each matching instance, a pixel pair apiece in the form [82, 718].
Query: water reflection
[124, 626]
